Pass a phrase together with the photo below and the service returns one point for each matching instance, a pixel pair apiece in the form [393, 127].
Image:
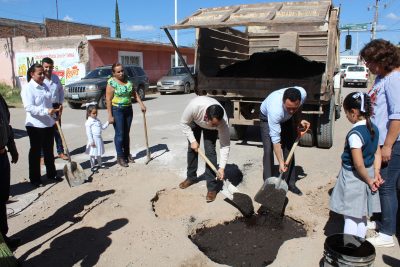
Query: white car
[355, 75]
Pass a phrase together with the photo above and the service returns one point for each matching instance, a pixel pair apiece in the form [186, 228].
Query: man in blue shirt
[279, 119]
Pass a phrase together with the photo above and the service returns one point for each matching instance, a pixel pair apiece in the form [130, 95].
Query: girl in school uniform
[354, 195]
[95, 145]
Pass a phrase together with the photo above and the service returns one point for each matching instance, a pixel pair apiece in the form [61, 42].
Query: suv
[177, 80]
[93, 86]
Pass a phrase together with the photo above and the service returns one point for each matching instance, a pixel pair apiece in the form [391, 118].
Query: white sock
[92, 161]
[354, 226]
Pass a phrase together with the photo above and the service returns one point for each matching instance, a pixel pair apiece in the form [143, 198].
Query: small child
[95, 145]
[354, 195]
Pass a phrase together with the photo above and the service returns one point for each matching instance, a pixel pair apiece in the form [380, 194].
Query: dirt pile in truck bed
[274, 64]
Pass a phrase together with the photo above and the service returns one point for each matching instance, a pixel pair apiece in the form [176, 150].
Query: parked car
[177, 80]
[93, 86]
[356, 75]
[344, 66]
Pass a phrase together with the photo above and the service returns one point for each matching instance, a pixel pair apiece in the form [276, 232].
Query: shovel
[272, 194]
[73, 171]
[147, 140]
[241, 201]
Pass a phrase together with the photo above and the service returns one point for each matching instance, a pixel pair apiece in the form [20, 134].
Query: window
[129, 58]
[179, 60]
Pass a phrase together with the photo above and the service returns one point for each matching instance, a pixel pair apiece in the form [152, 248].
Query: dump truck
[245, 52]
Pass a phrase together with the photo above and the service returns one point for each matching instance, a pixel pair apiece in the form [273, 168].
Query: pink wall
[156, 58]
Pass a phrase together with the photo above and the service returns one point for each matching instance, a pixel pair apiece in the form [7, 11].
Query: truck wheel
[187, 88]
[102, 102]
[237, 132]
[74, 105]
[325, 126]
[307, 140]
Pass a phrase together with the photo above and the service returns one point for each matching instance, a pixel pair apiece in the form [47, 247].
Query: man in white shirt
[57, 97]
[279, 119]
[205, 114]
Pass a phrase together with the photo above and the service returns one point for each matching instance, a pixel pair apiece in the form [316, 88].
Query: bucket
[342, 250]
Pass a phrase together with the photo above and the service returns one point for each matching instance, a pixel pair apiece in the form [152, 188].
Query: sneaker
[211, 195]
[378, 241]
[186, 184]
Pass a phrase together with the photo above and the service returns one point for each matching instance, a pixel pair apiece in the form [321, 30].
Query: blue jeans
[388, 192]
[122, 125]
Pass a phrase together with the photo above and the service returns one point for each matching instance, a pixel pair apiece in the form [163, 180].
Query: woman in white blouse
[39, 124]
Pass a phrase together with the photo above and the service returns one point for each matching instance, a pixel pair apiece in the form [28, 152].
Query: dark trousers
[4, 191]
[210, 138]
[57, 136]
[122, 126]
[41, 139]
[288, 137]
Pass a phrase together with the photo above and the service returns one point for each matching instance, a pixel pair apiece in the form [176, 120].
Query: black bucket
[342, 250]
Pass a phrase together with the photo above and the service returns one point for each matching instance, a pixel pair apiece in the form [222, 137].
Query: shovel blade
[272, 194]
[74, 174]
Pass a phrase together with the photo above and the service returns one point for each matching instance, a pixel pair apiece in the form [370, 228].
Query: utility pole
[176, 33]
[375, 22]
[58, 21]
[117, 22]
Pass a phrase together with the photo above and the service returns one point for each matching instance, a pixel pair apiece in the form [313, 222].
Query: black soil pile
[247, 242]
[244, 203]
[272, 198]
[274, 64]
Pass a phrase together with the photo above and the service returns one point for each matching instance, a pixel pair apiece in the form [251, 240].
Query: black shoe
[94, 169]
[129, 159]
[55, 178]
[295, 190]
[36, 183]
[12, 243]
[121, 161]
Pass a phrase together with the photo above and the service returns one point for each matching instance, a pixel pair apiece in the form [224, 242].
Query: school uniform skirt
[351, 196]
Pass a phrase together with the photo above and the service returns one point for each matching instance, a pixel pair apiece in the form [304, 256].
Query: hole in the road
[247, 242]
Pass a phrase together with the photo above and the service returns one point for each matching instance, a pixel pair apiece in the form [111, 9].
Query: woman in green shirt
[119, 93]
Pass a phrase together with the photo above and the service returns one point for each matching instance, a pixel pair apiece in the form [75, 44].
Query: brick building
[50, 28]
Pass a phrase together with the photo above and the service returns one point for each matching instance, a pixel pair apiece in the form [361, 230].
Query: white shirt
[94, 128]
[56, 88]
[37, 102]
[195, 112]
[272, 107]
[354, 139]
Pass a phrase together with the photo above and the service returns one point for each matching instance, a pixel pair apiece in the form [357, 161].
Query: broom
[7, 258]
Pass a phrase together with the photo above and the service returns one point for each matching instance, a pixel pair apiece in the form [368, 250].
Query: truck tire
[325, 126]
[307, 140]
[102, 102]
[74, 105]
[237, 132]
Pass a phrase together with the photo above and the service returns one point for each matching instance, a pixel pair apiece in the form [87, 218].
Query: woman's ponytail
[368, 113]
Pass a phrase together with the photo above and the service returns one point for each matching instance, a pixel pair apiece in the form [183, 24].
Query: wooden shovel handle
[289, 158]
[63, 140]
[209, 163]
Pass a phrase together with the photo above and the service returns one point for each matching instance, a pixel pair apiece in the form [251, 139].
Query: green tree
[117, 22]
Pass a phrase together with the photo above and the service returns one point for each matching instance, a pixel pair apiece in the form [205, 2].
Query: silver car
[177, 80]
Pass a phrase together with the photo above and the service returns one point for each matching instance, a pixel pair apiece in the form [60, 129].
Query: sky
[142, 19]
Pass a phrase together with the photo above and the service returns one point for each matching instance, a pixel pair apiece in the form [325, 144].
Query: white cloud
[140, 28]
[392, 16]
[68, 18]
[381, 27]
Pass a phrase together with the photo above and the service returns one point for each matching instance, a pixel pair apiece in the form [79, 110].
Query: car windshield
[345, 65]
[177, 71]
[356, 68]
[99, 73]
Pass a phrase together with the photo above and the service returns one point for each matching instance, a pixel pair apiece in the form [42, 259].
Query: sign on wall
[66, 64]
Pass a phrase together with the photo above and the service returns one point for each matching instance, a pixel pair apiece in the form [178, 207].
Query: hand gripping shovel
[147, 140]
[239, 200]
[73, 171]
[272, 194]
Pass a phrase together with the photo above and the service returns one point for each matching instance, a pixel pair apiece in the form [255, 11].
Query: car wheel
[74, 105]
[102, 104]
[187, 88]
[140, 92]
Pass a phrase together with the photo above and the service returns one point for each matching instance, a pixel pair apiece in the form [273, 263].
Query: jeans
[122, 125]
[288, 136]
[41, 139]
[210, 138]
[4, 191]
[388, 192]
